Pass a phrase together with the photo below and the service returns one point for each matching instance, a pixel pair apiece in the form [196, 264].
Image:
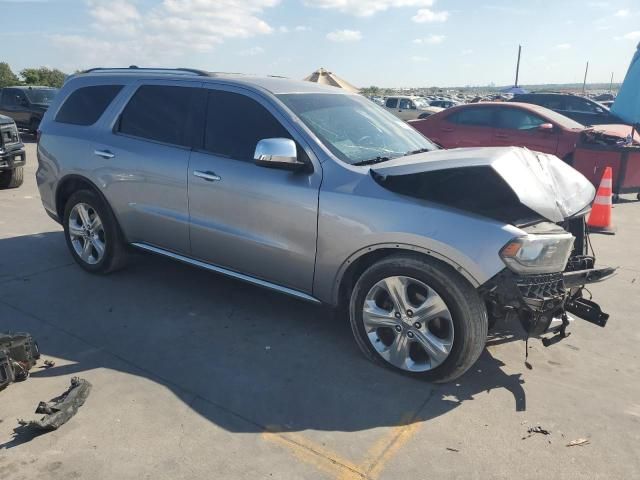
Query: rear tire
[93, 234]
[466, 317]
[12, 178]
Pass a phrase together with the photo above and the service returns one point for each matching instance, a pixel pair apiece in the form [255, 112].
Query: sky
[387, 43]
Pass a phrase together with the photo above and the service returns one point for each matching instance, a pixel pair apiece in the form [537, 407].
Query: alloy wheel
[408, 323]
[86, 233]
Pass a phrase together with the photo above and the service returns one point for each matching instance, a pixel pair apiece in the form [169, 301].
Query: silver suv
[324, 196]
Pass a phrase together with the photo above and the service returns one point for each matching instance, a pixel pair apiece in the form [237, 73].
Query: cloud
[297, 28]
[366, 8]
[622, 13]
[419, 58]
[467, 51]
[426, 15]
[125, 32]
[345, 36]
[632, 35]
[562, 46]
[430, 40]
[252, 52]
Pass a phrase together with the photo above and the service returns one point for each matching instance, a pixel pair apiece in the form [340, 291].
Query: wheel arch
[358, 262]
[70, 184]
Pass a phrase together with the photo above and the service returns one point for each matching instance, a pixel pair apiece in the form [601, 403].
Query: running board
[229, 273]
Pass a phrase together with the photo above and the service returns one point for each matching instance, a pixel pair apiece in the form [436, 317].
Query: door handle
[104, 153]
[208, 175]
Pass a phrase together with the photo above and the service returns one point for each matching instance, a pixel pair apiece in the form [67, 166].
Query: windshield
[42, 95]
[558, 118]
[354, 129]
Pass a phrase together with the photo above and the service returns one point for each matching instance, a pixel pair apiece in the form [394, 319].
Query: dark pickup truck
[26, 104]
[12, 154]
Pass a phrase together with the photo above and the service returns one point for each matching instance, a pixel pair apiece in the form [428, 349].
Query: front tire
[12, 178]
[92, 233]
[418, 316]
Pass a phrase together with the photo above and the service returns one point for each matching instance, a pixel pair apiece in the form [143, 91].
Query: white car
[409, 107]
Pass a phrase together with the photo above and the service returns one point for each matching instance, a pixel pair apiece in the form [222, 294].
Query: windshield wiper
[372, 161]
[414, 152]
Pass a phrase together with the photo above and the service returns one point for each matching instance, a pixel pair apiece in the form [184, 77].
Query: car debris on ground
[60, 409]
[537, 429]
[578, 442]
[18, 354]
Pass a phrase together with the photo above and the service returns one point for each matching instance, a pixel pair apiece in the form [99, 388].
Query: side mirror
[277, 153]
[546, 127]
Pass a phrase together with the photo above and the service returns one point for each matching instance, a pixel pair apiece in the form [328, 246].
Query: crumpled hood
[618, 130]
[541, 182]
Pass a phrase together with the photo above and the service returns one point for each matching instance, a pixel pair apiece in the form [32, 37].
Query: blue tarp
[627, 103]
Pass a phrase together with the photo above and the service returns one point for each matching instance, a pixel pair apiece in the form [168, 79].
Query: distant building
[324, 77]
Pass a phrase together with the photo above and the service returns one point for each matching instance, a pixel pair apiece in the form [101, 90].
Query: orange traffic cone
[600, 216]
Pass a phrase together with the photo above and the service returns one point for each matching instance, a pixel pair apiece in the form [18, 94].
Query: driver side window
[405, 104]
[236, 123]
[516, 119]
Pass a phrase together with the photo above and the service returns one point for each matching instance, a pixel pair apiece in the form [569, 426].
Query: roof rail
[135, 69]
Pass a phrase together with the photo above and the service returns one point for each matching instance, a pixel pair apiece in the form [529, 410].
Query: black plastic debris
[59, 410]
[537, 429]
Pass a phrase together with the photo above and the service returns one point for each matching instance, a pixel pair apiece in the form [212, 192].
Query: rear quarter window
[86, 104]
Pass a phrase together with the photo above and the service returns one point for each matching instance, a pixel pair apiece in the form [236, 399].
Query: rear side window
[392, 103]
[159, 113]
[479, 117]
[85, 105]
[236, 123]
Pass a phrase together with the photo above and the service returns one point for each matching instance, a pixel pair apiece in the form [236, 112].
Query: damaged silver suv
[324, 196]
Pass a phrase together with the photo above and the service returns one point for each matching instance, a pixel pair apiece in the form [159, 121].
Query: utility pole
[518, 65]
[611, 84]
[584, 83]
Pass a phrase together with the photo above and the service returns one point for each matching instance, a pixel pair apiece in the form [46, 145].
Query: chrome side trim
[229, 273]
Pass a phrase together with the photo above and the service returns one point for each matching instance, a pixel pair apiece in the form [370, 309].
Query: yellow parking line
[315, 455]
[340, 468]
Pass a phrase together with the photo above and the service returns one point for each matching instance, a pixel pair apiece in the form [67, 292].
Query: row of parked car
[21, 107]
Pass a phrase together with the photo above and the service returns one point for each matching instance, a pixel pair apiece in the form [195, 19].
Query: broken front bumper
[536, 300]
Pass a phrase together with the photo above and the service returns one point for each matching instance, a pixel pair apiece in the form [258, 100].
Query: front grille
[542, 292]
[9, 135]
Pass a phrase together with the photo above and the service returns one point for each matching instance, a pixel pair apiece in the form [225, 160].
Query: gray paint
[293, 231]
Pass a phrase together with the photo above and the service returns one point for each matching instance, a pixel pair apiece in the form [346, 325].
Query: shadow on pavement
[238, 352]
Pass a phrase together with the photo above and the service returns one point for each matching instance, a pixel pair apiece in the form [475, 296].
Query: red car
[496, 124]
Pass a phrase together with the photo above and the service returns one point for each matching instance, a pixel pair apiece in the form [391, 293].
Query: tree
[7, 77]
[370, 91]
[49, 77]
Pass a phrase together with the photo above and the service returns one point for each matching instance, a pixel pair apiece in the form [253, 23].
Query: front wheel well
[359, 265]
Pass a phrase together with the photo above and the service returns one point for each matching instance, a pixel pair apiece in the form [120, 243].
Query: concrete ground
[199, 376]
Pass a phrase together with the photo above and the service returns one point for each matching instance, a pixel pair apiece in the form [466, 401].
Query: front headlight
[538, 253]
